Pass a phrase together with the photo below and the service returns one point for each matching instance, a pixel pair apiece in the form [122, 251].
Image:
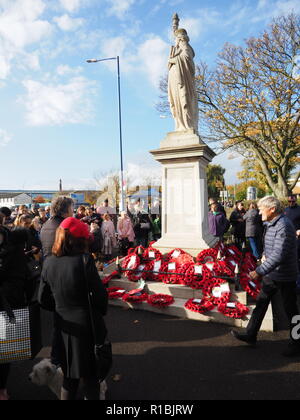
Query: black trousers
[4, 372]
[57, 341]
[287, 291]
[91, 388]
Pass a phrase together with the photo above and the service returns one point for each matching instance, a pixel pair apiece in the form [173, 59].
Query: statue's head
[182, 34]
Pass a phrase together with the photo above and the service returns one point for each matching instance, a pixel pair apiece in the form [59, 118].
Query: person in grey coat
[278, 271]
[254, 230]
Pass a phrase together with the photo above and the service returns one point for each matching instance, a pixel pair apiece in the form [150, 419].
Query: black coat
[13, 267]
[63, 289]
[139, 220]
[238, 224]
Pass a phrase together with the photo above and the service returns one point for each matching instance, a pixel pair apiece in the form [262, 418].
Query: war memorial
[187, 273]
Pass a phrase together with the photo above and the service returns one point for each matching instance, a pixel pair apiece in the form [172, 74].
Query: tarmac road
[159, 357]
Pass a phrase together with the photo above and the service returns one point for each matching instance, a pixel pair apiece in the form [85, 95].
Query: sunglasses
[292, 201]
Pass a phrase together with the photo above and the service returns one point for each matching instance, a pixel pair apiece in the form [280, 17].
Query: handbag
[20, 332]
[34, 269]
[102, 352]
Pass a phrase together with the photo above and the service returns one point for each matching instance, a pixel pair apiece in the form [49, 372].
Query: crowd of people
[52, 258]
[246, 224]
[41, 258]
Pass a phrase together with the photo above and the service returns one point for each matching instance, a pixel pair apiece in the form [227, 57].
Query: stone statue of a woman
[181, 82]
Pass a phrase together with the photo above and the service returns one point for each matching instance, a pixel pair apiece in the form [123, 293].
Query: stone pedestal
[184, 193]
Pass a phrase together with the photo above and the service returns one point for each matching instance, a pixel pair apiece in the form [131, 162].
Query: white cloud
[66, 23]
[193, 26]
[63, 70]
[57, 104]
[153, 57]
[71, 5]
[119, 8]
[271, 9]
[21, 26]
[143, 174]
[5, 137]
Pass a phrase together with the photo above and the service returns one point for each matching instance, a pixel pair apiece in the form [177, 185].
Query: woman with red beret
[63, 289]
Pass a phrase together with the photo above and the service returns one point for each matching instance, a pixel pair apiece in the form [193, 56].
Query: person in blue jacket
[278, 271]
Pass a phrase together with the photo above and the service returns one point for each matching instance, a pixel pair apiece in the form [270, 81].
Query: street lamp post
[94, 60]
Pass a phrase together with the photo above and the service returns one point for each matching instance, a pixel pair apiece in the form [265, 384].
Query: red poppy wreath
[207, 255]
[138, 297]
[199, 305]
[113, 275]
[160, 301]
[115, 292]
[234, 310]
[218, 291]
[131, 262]
[252, 287]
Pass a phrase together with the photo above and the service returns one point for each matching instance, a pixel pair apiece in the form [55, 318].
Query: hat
[77, 228]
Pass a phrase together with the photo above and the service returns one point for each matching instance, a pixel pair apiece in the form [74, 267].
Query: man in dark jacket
[278, 271]
[61, 208]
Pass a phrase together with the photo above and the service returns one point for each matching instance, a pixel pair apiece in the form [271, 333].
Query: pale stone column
[184, 193]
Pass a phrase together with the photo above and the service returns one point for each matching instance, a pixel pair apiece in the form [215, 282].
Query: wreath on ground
[115, 292]
[199, 305]
[137, 297]
[234, 310]
[160, 301]
[218, 291]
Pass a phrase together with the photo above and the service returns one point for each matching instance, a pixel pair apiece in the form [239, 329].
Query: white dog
[45, 373]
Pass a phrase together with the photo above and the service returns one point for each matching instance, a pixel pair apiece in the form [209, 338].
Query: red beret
[77, 228]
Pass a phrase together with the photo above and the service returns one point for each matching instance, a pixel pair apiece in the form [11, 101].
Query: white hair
[270, 202]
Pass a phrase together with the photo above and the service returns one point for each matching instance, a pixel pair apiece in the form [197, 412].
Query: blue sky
[59, 115]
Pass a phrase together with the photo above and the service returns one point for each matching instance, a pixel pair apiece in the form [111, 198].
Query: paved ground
[163, 358]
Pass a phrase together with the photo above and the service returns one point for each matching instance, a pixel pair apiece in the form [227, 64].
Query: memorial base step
[181, 294]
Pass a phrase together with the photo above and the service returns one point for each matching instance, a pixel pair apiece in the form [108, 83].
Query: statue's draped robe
[181, 89]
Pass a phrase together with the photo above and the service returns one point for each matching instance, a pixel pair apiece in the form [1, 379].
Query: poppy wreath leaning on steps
[234, 310]
[233, 252]
[138, 297]
[160, 301]
[196, 276]
[114, 275]
[152, 254]
[220, 268]
[132, 261]
[172, 269]
[250, 261]
[175, 253]
[163, 269]
[252, 287]
[115, 292]
[217, 291]
[199, 305]
[207, 255]
[154, 267]
[189, 276]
